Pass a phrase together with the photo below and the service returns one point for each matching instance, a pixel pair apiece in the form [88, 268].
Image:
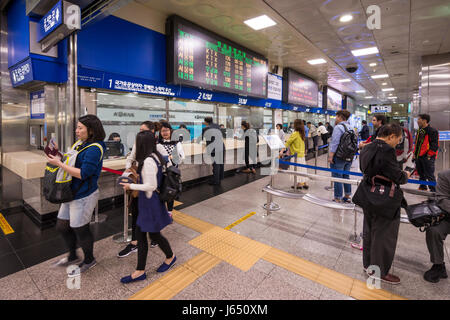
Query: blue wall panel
[18, 32]
[118, 46]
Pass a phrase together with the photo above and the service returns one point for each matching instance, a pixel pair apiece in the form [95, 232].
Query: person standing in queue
[75, 216]
[313, 135]
[341, 126]
[380, 233]
[426, 150]
[249, 168]
[323, 133]
[280, 132]
[218, 164]
[364, 133]
[378, 121]
[153, 216]
[170, 148]
[296, 144]
[132, 246]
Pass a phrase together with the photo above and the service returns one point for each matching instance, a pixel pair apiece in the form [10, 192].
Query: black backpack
[348, 145]
[171, 185]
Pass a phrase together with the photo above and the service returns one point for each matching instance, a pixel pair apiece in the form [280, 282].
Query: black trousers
[325, 138]
[72, 236]
[134, 208]
[426, 168]
[249, 165]
[143, 246]
[170, 205]
[379, 241]
[435, 241]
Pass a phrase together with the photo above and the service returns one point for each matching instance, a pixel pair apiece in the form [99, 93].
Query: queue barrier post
[98, 218]
[125, 236]
[270, 205]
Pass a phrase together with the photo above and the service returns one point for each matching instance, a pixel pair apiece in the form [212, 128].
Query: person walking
[75, 216]
[296, 144]
[426, 150]
[250, 138]
[153, 216]
[380, 233]
[171, 148]
[378, 121]
[341, 126]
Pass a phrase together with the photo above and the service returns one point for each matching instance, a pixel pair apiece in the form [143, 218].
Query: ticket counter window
[268, 118]
[121, 116]
[191, 114]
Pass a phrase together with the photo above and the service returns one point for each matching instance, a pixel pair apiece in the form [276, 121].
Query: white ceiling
[308, 29]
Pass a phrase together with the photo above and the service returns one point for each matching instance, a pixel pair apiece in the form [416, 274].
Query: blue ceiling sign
[21, 73]
[50, 21]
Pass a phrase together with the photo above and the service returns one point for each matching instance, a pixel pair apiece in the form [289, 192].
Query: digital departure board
[334, 100]
[200, 58]
[298, 89]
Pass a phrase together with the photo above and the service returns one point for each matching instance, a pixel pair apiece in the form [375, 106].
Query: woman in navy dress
[153, 215]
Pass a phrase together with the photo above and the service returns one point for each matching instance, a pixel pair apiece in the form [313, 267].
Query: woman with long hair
[75, 216]
[296, 144]
[153, 215]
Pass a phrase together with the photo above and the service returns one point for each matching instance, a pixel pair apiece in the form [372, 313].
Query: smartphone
[410, 169]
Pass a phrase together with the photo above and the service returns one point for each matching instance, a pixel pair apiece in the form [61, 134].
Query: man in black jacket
[380, 233]
[436, 235]
[219, 160]
[364, 133]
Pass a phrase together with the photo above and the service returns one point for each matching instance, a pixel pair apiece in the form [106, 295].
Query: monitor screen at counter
[298, 89]
[334, 100]
[200, 58]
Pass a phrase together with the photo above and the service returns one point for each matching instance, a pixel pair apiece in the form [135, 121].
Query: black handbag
[425, 214]
[379, 199]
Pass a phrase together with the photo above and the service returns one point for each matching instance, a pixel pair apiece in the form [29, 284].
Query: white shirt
[281, 135]
[148, 177]
[322, 129]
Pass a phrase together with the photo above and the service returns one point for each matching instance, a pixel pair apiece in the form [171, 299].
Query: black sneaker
[128, 249]
[153, 244]
[436, 272]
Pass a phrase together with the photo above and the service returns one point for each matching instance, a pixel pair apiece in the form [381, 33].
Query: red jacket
[427, 142]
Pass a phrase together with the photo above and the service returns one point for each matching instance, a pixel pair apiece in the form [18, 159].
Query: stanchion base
[329, 188]
[404, 218]
[355, 238]
[118, 238]
[101, 218]
[271, 206]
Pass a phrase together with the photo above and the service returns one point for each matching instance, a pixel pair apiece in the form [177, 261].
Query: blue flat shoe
[164, 267]
[129, 279]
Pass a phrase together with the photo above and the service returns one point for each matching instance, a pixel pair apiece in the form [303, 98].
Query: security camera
[351, 68]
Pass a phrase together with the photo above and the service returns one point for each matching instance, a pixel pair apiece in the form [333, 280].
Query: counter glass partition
[122, 114]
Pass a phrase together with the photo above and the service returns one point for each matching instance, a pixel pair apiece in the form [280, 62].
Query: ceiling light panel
[260, 22]
[365, 51]
[317, 61]
[380, 76]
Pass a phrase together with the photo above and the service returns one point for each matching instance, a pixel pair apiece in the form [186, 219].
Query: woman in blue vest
[153, 215]
[74, 216]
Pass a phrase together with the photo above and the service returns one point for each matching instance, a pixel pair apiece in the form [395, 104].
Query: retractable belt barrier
[428, 183]
[126, 235]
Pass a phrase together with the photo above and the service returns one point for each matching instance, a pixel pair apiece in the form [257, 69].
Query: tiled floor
[311, 232]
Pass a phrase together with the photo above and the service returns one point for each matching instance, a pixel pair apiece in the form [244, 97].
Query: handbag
[377, 198]
[425, 214]
[284, 166]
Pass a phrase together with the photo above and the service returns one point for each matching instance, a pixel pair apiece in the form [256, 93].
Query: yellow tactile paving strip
[4, 225]
[222, 245]
[240, 220]
[177, 203]
[177, 279]
[237, 250]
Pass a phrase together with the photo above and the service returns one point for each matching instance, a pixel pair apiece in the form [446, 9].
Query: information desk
[30, 167]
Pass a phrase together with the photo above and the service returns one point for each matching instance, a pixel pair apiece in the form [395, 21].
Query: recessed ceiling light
[390, 94]
[373, 64]
[360, 91]
[380, 76]
[317, 61]
[365, 51]
[369, 97]
[260, 22]
[346, 18]
[388, 89]
[344, 80]
[384, 84]
[392, 97]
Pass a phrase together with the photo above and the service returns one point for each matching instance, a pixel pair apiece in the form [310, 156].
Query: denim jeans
[339, 164]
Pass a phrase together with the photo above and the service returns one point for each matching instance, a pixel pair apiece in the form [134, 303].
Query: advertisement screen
[200, 58]
[298, 89]
[334, 100]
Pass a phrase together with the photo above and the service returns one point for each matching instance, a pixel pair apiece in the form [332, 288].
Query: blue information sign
[50, 21]
[444, 135]
[21, 73]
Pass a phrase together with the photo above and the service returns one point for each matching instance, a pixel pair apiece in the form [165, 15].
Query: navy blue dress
[153, 215]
